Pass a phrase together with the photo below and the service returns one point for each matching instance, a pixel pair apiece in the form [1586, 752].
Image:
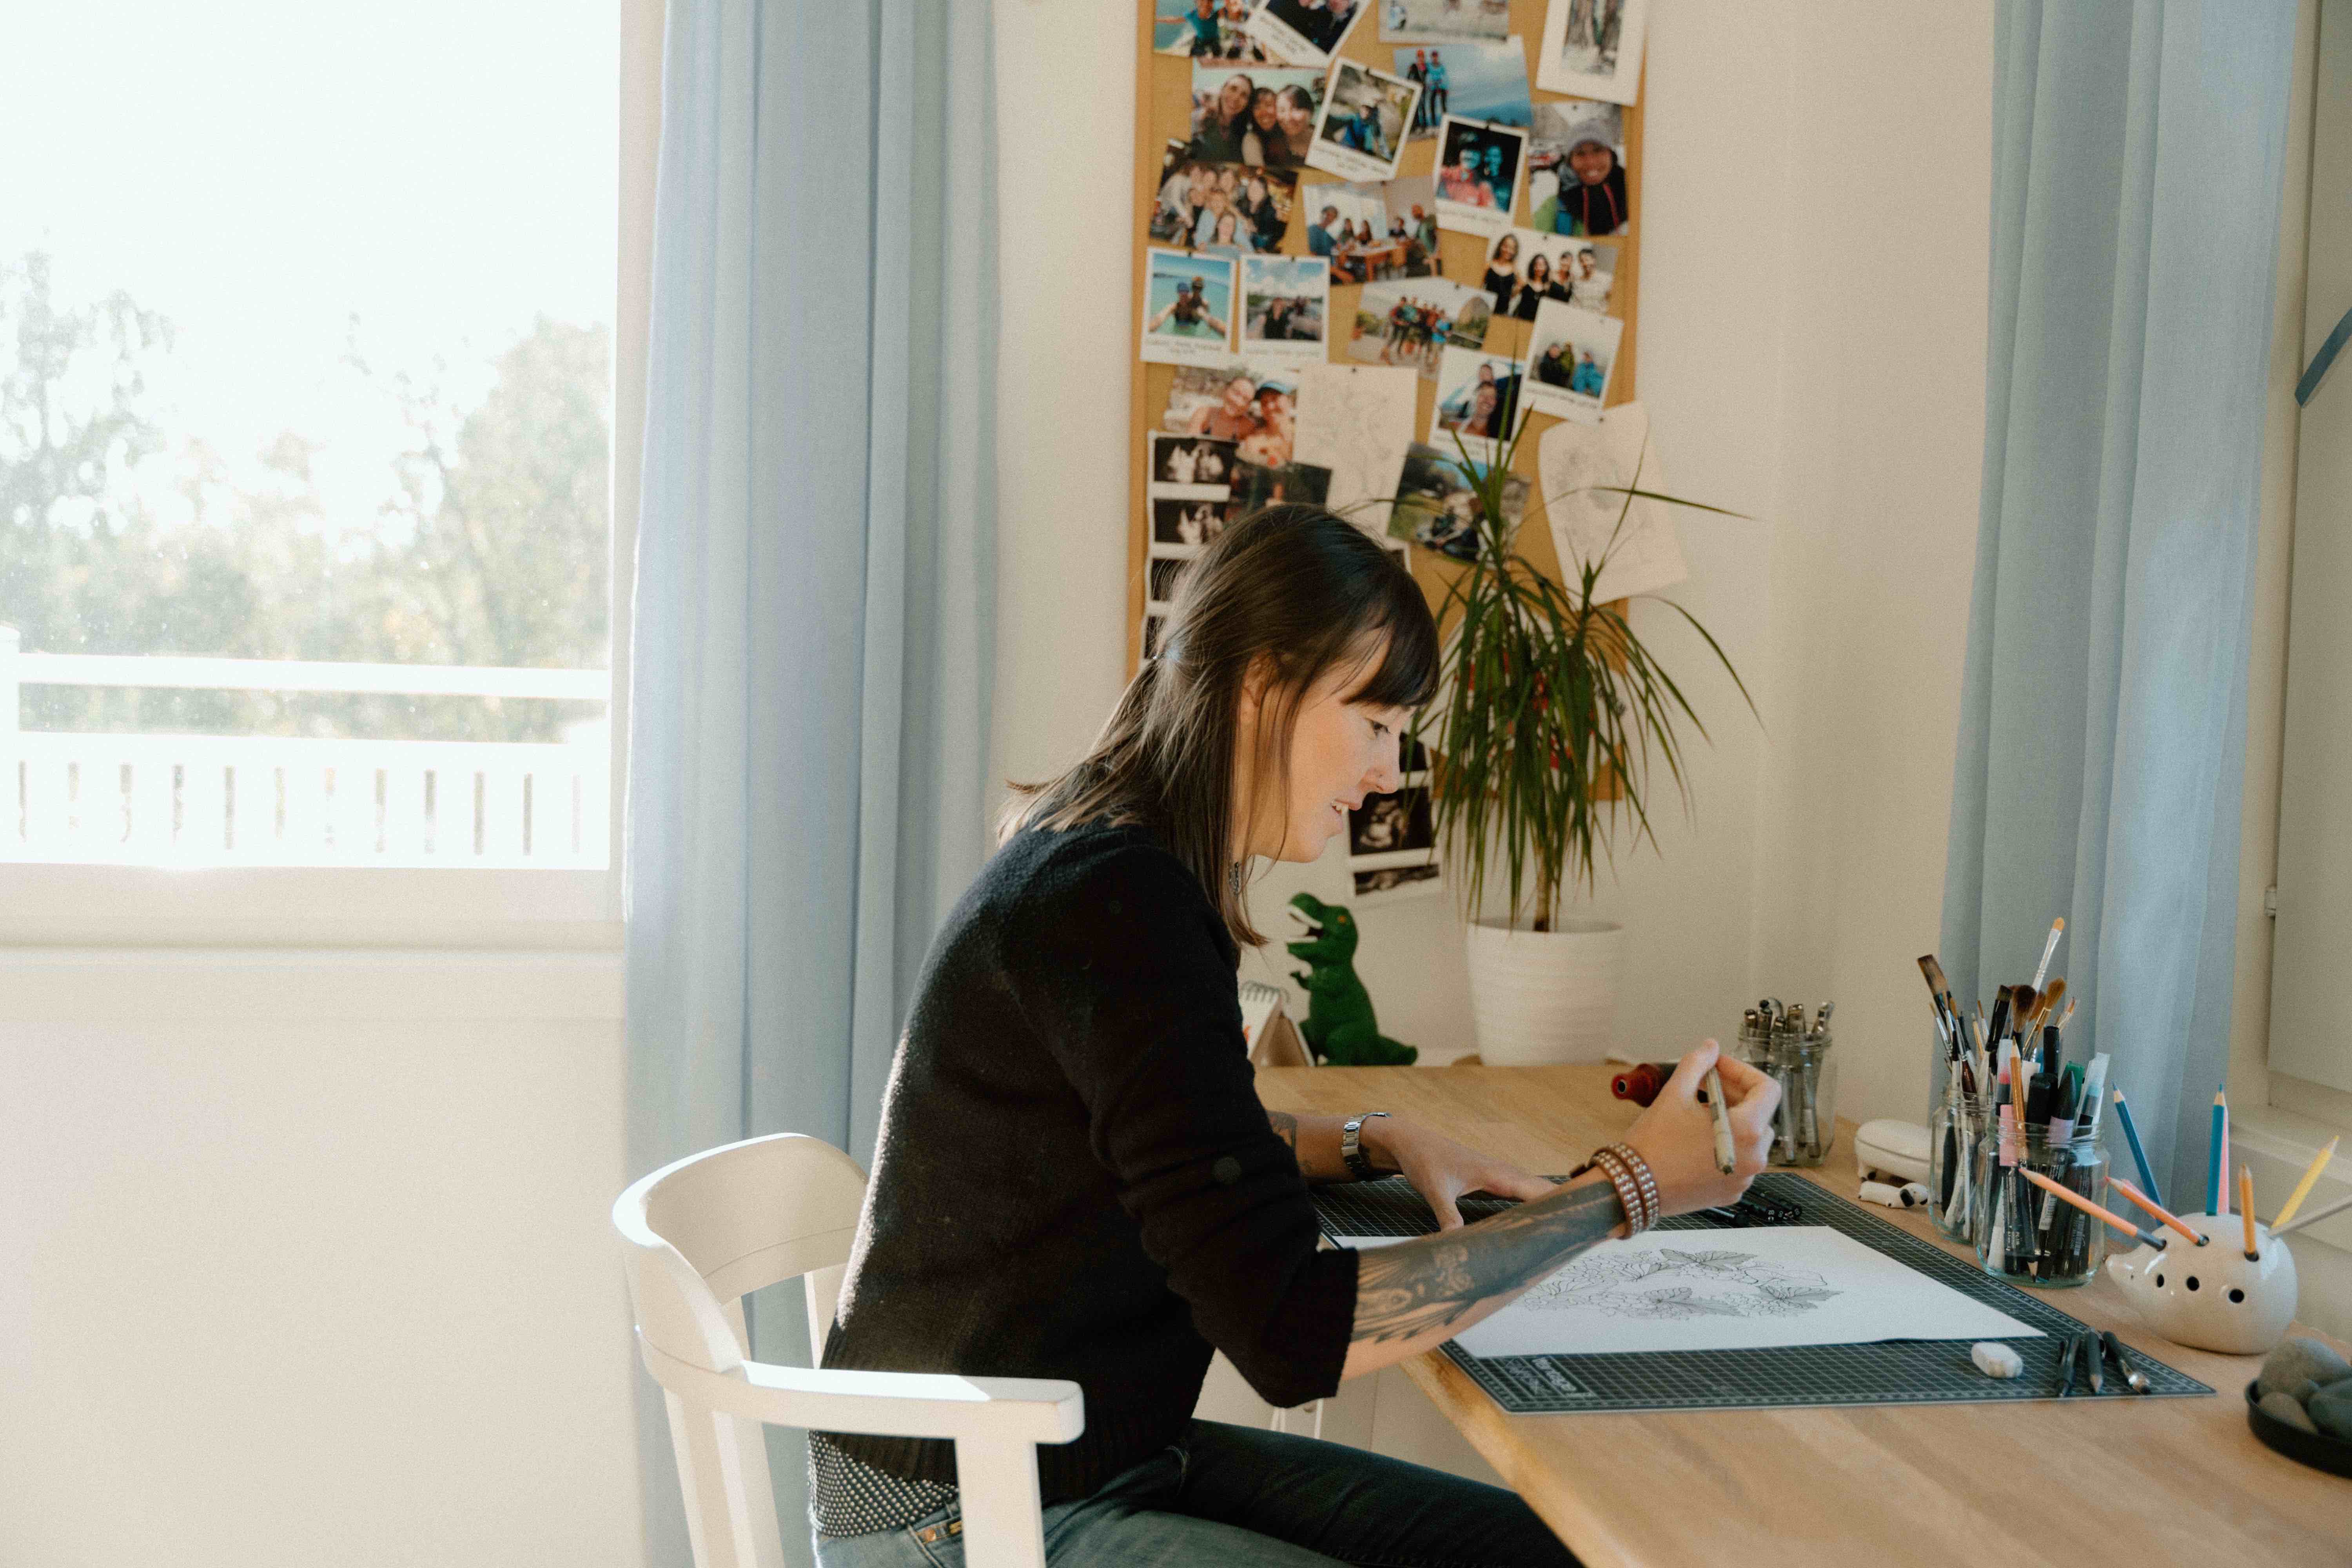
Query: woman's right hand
[1677, 1133]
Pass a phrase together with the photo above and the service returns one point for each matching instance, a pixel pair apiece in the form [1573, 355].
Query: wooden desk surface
[2141, 1483]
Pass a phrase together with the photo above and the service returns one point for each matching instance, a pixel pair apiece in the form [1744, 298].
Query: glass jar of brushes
[2025, 1233]
[1777, 1040]
[1952, 1139]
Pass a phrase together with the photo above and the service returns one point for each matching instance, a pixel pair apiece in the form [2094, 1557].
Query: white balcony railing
[269, 800]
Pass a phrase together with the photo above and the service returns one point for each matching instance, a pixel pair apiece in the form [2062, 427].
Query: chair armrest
[892, 1404]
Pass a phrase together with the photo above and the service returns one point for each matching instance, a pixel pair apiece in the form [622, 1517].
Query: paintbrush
[2057, 930]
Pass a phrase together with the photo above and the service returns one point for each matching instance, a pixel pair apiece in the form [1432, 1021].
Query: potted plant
[1552, 720]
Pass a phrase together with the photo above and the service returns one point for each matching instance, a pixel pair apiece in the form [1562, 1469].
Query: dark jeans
[1232, 1496]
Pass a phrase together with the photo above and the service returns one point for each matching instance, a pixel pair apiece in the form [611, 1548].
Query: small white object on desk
[1911, 1194]
[1996, 1359]
[1890, 1148]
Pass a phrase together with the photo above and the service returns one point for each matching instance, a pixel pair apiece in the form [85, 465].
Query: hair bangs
[1407, 671]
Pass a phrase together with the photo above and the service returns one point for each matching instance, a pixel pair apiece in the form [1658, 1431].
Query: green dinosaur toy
[1338, 1026]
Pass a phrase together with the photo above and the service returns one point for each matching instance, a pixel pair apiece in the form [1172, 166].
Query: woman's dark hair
[1298, 587]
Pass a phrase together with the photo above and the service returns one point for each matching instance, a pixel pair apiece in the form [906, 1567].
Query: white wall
[1812, 352]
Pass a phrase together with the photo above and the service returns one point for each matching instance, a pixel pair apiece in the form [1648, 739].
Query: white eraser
[1996, 1359]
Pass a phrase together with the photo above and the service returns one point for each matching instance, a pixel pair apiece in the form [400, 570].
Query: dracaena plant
[1552, 716]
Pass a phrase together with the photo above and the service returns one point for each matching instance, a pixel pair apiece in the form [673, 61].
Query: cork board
[1164, 113]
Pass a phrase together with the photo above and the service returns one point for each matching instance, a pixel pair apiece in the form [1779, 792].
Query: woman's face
[1506, 250]
[1591, 161]
[1238, 393]
[1225, 226]
[1341, 752]
[1234, 97]
[1228, 181]
[1538, 270]
[1263, 111]
[1293, 114]
[1482, 407]
[1257, 191]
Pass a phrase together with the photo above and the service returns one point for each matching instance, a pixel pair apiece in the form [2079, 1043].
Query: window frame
[53, 904]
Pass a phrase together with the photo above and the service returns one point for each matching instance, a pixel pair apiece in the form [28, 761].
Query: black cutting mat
[1892, 1372]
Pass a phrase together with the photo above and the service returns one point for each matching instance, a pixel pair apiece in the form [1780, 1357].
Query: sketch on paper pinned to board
[1737, 1289]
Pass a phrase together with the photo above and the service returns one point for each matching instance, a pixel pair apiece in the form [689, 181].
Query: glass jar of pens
[1777, 1040]
[2026, 1233]
[1953, 1137]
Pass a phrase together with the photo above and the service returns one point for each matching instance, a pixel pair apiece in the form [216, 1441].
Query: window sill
[247, 986]
[2279, 1145]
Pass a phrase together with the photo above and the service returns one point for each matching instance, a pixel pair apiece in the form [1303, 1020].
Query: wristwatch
[1351, 1149]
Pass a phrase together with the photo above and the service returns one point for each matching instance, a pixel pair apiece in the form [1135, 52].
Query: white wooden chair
[703, 1233]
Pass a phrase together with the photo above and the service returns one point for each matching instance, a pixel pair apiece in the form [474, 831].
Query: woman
[1503, 273]
[1593, 200]
[1076, 1178]
[1230, 237]
[1266, 143]
[1270, 445]
[1221, 122]
[1215, 210]
[1461, 181]
[1293, 111]
[1259, 212]
[1231, 418]
[1540, 286]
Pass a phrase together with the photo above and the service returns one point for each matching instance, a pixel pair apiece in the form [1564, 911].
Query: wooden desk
[2149, 1482]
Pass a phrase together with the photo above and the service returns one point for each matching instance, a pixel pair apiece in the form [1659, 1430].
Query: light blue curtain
[2137, 153]
[812, 645]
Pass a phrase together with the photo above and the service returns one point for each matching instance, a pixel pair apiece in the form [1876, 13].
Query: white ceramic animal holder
[2212, 1296]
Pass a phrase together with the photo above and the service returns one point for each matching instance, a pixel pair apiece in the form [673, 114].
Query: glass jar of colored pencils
[1952, 1139]
[2025, 1233]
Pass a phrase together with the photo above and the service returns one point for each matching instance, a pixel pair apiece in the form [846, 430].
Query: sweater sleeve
[1119, 966]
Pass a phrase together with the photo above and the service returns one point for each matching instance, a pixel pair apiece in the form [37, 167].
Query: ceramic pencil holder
[2213, 1296]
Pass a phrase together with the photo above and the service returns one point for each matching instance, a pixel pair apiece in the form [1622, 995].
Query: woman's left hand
[1442, 1171]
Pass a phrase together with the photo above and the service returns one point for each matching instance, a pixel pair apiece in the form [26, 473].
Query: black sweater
[1075, 1177]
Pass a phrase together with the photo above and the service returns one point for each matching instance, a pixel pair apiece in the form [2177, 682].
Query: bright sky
[261, 171]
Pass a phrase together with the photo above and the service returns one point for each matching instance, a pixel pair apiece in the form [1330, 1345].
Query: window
[307, 327]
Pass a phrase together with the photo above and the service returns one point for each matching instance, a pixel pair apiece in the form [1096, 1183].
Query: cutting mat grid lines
[1893, 1372]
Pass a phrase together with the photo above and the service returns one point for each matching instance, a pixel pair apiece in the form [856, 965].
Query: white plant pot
[1540, 997]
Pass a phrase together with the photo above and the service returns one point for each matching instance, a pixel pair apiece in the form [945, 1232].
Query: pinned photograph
[1473, 82]
[1438, 506]
[1569, 357]
[1205, 29]
[1189, 523]
[1576, 170]
[1413, 322]
[1526, 267]
[1190, 466]
[1385, 884]
[1256, 487]
[1252, 405]
[1303, 32]
[1166, 566]
[1285, 304]
[1478, 176]
[1477, 403]
[1188, 308]
[1366, 114]
[1260, 117]
[1392, 842]
[1343, 225]
[1443, 21]
[1205, 205]
[1592, 49]
[1411, 205]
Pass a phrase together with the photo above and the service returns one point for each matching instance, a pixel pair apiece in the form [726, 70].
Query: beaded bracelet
[1636, 1184]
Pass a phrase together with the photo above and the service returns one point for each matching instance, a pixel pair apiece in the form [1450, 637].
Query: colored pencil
[2303, 1187]
[2246, 1208]
[2139, 1155]
[2068, 1195]
[2216, 1152]
[2155, 1210]
[2315, 1216]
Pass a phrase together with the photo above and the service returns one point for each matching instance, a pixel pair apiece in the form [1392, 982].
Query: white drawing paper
[1571, 459]
[1356, 421]
[1752, 1288]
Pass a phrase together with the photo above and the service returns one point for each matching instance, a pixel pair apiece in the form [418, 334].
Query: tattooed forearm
[1286, 1127]
[1432, 1282]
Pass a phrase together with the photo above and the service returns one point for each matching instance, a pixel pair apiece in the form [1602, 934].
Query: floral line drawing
[1672, 1284]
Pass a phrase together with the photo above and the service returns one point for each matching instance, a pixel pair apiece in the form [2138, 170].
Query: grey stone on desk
[2300, 1361]
[2331, 1409]
[2283, 1407]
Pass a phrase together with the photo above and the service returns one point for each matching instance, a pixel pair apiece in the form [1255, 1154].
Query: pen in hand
[1726, 1159]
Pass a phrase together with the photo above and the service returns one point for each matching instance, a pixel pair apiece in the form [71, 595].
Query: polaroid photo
[1569, 356]
[1526, 267]
[1592, 49]
[1286, 306]
[1443, 21]
[1412, 206]
[1187, 521]
[1478, 176]
[1217, 400]
[1437, 503]
[1576, 170]
[1412, 322]
[1477, 403]
[1392, 824]
[1259, 117]
[1486, 81]
[1223, 208]
[1366, 113]
[1166, 568]
[1377, 885]
[1305, 32]
[1205, 30]
[1188, 307]
[1256, 487]
[1344, 222]
[1190, 468]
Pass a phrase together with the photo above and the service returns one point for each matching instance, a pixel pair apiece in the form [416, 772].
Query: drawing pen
[1726, 1159]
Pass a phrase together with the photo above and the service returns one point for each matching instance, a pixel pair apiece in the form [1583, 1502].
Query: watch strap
[1351, 1149]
